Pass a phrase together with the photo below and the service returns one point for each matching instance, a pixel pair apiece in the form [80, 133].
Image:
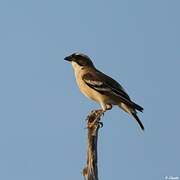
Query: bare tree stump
[90, 172]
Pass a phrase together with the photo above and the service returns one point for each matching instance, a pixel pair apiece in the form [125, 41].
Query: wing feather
[106, 85]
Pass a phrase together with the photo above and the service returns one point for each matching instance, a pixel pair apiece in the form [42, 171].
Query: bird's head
[80, 60]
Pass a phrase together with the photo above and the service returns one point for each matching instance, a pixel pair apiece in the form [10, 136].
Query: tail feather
[137, 107]
[138, 120]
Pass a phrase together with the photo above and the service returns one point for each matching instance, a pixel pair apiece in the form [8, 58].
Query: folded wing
[108, 86]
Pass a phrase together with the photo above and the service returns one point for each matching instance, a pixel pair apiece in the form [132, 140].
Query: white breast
[84, 88]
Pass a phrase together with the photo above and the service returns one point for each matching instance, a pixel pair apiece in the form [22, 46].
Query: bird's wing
[106, 85]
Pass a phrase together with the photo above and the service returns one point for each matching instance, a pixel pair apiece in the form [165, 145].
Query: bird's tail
[134, 114]
[132, 111]
[137, 107]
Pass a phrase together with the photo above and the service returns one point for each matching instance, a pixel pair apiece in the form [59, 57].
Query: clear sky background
[42, 112]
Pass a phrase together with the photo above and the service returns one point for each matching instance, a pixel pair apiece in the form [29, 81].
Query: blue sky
[42, 119]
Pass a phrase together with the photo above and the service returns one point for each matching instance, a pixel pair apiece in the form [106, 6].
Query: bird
[101, 88]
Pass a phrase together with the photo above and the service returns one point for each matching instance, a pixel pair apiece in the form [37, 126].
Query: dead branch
[90, 172]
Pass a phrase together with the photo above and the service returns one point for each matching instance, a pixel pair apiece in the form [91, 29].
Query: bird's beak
[68, 58]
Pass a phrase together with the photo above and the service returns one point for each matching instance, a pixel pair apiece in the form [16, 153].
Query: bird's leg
[101, 113]
[103, 110]
[96, 114]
